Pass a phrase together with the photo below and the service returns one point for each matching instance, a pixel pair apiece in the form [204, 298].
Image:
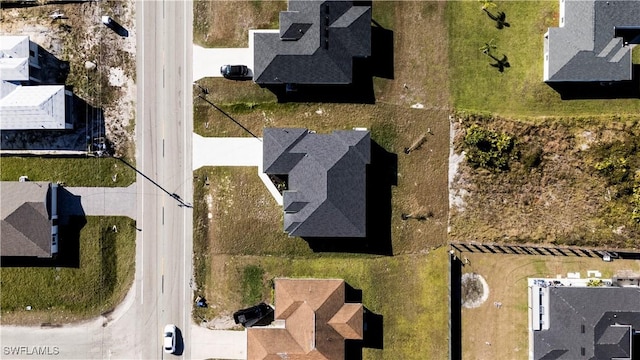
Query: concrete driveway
[226, 151]
[218, 344]
[229, 151]
[100, 201]
[207, 61]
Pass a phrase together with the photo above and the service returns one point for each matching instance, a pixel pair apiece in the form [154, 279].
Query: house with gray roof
[28, 219]
[316, 44]
[324, 179]
[583, 322]
[590, 44]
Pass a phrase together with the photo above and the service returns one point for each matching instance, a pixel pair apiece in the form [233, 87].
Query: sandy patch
[475, 290]
[117, 77]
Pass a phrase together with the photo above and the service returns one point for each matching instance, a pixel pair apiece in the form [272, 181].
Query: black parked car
[261, 313]
[234, 72]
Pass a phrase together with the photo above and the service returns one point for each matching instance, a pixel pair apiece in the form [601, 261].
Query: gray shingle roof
[326, 194]
[600, 311]
[316, 44]
[25, 224]
[585, 48]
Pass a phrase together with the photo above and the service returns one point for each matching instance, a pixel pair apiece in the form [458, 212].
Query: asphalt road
[163, 266]
[161, 292]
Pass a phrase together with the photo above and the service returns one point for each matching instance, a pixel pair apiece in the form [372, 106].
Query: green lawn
[409, 291]
[64, 294]
[90, 171]
[519, 91]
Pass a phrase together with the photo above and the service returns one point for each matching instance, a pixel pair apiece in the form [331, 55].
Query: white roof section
[6, 88]
[33, 107]
[14, 58]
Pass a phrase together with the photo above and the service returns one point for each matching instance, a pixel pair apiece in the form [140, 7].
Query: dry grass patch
[227, 23]
[81, 37]
[422, 175]
[507, 276]
[420, 55]
[245, 219]
[568, 182]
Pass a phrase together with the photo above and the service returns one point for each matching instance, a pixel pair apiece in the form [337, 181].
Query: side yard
[103, 275]
[84, 171]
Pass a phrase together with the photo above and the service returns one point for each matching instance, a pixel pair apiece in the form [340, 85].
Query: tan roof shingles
[317, 321]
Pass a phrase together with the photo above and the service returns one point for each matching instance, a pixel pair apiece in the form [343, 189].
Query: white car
[169, 339]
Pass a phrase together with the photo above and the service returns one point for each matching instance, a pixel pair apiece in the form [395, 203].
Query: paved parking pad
[218, 344]
[207, 61]
[100, 201]
[226, 151]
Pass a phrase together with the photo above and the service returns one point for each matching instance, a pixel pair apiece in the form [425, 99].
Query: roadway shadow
[360, 91]
[88, 121]
[600, 90]
[382, 174]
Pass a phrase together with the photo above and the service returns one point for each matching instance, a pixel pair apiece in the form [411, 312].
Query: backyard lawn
[105, 265]
[409, 291]
[519, 90]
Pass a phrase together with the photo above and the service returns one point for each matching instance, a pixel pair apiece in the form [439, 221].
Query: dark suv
[261, 313]
[235, 72]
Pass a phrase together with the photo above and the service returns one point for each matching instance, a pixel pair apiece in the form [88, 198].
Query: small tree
[502, 63]
[488, 149]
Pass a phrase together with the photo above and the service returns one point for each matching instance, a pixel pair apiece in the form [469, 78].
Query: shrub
[488, 149]
[616, 170]
[635, 198]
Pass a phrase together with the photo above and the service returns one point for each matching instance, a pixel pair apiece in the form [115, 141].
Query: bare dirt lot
[105, 95]
[568, 182]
